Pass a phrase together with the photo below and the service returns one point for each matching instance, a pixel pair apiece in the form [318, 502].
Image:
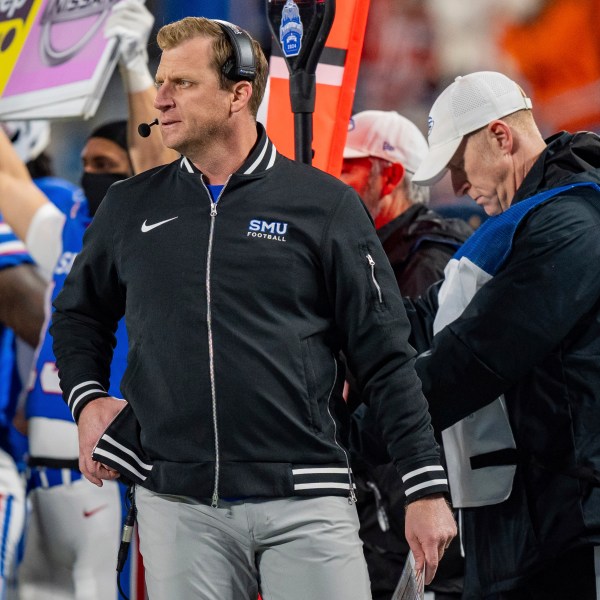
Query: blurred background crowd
[413, 49]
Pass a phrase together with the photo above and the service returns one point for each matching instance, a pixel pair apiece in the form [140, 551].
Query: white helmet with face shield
[29, 138]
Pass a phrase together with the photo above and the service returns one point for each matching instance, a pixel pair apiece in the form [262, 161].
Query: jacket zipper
[211, 355]
[351, 495]
[372, 263]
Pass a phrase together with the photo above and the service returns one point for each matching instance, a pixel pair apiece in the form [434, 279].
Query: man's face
[480, 170]
[194, 109]
[100, 155]
[364, 175]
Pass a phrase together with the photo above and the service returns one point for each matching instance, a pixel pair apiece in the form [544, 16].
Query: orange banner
[336, 76]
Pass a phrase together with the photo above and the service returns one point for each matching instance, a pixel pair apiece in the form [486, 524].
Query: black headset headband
[242, 66]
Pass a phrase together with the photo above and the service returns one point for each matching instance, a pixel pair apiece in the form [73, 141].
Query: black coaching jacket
[533, 333]
[236, 314]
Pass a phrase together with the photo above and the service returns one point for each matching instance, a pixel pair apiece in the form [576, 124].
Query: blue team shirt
[65, 196]
[12, 253]
[44, 399]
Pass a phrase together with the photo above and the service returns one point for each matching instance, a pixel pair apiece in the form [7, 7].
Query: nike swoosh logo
[89, 513]
[146, 228]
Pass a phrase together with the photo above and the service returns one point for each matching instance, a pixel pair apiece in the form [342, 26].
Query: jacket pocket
[319, 378]
[120, 448]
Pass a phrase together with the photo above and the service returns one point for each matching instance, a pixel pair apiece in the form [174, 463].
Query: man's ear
[501, 135]
[242, 91]
[392, 175]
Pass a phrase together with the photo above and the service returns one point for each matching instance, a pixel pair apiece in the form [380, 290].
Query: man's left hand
[429, 529]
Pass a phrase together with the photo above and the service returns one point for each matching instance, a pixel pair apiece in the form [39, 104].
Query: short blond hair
[522, 120]
[174, 34]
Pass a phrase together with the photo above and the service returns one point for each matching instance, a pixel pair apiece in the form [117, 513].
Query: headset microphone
[144, 128]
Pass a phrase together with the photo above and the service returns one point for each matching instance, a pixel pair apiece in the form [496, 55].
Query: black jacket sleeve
[374, 332]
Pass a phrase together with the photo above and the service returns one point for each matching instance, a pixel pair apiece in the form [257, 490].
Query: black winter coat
[236, 314]
[419, 243]
[533, 333]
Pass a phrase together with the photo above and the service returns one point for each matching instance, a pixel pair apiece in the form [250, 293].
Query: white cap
[467, 104]
[386, 135]
[29, 138]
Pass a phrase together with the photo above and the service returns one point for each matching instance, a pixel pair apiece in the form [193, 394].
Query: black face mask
[95, 186]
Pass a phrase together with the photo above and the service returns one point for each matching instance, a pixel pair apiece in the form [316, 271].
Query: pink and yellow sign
[16, 19]
[51, 51]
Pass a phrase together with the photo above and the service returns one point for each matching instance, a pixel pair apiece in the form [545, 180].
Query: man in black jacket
[383, 150]
[242, 277]
[519, 316]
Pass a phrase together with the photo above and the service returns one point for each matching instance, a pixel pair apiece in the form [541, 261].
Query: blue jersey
[12, 250]
[45, 399]
[63, 194]
[12, 253]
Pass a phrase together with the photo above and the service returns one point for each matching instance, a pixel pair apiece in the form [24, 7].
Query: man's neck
[225, 156]
[391, 206]
[530, 149]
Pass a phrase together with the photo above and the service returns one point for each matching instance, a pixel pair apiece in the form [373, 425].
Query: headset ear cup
[229, 69]
[242, 65]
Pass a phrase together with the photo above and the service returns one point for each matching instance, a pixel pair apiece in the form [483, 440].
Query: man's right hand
[95, 417]
[132, 22]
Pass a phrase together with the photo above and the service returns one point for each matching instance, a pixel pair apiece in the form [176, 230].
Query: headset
[242, 65]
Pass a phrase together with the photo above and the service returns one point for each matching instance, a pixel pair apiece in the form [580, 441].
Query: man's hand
[132, 22]
[429, 529]
[93, 421]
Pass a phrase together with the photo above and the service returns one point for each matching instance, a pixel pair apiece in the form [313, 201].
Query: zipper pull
[215, 500]
[213, 209]
[352, 497]
[377, 287]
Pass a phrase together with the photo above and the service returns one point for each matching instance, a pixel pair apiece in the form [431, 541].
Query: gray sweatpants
[286, 549]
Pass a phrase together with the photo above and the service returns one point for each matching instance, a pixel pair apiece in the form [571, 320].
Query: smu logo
[274, 230]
